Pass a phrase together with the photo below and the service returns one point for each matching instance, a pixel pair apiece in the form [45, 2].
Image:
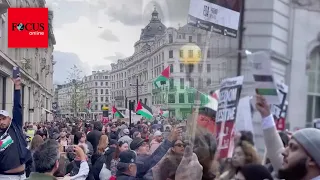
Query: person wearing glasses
[178, 147]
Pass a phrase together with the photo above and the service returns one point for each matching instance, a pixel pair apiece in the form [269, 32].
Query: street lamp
[137, 88]
[131, 105]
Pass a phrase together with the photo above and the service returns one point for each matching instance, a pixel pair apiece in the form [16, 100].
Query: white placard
[265, 84]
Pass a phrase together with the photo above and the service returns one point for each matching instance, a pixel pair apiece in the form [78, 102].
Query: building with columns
[94, 88]
[98, 86]
[157, 48]
[36, 66]
[288, 29]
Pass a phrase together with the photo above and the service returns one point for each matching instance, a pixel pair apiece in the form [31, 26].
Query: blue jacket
[17, 124]
[146, 162]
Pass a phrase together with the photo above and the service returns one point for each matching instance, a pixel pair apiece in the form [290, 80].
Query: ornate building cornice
[307, 4]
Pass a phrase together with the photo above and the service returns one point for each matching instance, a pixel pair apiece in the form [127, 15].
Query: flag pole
[196, 112]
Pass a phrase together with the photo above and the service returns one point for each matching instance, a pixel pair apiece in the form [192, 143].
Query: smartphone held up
[15, 72]
[68, 149]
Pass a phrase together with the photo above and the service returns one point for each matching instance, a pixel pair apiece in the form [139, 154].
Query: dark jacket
[122, 176]
[146, 162]
[25, 154]
[106, 158]
[40, 176]
[93, 137]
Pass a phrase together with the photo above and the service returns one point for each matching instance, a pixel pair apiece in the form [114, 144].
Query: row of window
[183, 36]
[102, 91]
[96, 78]
[96, 107]
[191, 83]
[101, 83]
[183, 68]
[182, 98]
[119, 75]
[102, 99]
[191, 54]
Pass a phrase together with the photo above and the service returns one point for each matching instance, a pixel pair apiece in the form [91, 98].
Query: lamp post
[137, 88]
[240, 40]
[137, 94]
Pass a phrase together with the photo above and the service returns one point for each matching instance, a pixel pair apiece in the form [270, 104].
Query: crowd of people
[158, 149]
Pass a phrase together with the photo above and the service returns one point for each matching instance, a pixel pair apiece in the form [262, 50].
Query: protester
[46, 162]
[253, 172]
[35, 143]
[63, 140]
[121, 128]
[114, 133]
[244, 153]
[102, 147]
[13, 148]
[81, 139]
[94, 136]
[157, 140]
[73, 167]
[127, 168]
[122, 146]
[125, 137]
[144, 160]
[136, 134]
[300, 160]
[145, 133]
[105, 160]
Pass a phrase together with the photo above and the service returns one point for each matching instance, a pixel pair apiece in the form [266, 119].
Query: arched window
[313, 106]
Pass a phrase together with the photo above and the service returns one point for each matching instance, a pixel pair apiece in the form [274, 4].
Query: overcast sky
[95, 33]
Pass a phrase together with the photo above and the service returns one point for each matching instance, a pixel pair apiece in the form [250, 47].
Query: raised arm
[274, 145]
[17, 109]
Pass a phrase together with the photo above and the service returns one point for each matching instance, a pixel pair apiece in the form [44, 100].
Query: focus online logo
[34, 29]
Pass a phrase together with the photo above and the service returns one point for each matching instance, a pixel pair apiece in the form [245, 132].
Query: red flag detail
[139, 107]
[166, 72]
[114, 110]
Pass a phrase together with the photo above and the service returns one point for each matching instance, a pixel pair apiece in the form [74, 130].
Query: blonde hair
[103, 144]
[251, 155]
[36, 142]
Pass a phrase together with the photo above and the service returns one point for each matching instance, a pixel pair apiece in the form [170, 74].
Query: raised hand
[189, 167]
[262, 106]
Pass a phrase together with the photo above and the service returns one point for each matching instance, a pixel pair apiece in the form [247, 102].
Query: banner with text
[219, 16]
[230, 90]
[279, 110]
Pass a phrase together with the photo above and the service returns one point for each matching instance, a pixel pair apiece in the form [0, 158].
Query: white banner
[220, 17]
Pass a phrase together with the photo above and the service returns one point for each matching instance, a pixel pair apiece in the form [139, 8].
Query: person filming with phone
[13, 146]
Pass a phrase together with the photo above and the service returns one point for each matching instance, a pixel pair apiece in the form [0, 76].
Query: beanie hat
[309, 139]
[157, 133]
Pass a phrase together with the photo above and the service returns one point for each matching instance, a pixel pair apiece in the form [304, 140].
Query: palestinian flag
[117, 113]
[165, 113]
[144, 110]
[208, 100]
[165, 75]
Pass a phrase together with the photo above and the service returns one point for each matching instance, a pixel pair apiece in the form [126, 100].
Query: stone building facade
[36, 70]
[94, 88]
[157, 48]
